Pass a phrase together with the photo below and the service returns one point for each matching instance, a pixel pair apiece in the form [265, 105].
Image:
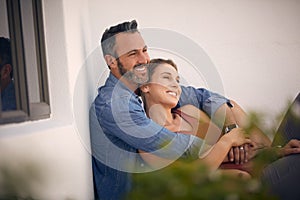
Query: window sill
[37, 111]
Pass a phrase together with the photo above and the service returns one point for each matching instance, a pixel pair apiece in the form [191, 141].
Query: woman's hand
[237, 137]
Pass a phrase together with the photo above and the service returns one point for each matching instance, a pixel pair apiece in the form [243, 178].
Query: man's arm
[124, 119]
[234, 114]
[205, 100]
[217, 107]
[231, 113]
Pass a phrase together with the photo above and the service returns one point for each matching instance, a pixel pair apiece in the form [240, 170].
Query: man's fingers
[246, 147]
[231, 155]
[291, 151]
[294, 143]
[242, 154]
[236, 155]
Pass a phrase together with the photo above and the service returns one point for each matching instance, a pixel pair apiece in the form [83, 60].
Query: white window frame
[27, 110]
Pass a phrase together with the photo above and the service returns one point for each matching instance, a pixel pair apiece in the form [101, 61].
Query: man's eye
[132, 54]
[145, 50]
[166, 77]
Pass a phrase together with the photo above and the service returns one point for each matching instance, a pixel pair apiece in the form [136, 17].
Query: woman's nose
[174, 84]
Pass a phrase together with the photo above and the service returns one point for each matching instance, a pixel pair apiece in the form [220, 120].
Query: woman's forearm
[220, 150]
[216, 156]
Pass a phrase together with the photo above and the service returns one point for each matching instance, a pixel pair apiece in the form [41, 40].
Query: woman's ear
[110, 60]
[145, 88]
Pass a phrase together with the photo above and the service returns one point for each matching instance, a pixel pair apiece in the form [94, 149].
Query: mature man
[119, 126]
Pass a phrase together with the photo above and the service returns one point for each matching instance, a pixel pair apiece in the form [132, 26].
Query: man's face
[133, 57]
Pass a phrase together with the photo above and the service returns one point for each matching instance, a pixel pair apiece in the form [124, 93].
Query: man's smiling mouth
[140, 68]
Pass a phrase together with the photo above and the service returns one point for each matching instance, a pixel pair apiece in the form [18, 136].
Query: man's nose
[143, 58]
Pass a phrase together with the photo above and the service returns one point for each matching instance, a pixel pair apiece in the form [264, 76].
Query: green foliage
[191, 180]
[19, 182]
[183, 180]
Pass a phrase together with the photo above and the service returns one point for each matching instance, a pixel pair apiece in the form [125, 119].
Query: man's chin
[135, 79]
[140, 80]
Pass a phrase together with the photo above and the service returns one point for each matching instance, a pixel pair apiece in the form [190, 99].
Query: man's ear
[110, 60]
[145, 88]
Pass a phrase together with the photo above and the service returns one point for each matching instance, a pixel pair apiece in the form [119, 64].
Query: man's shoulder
[108, 93]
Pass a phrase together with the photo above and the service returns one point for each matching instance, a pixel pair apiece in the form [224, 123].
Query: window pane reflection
[7, 89]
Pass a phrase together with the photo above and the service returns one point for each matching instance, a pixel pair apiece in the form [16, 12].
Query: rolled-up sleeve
[203, 99]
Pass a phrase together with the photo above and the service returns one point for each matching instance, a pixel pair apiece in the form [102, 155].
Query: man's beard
[133, 75]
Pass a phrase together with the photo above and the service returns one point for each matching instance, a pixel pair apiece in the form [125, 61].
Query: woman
[161, 94]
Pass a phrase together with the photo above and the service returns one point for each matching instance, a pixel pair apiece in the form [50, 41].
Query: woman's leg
[236, 173]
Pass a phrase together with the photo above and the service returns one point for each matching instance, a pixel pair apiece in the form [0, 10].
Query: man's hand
[240, 154]
[292, 147]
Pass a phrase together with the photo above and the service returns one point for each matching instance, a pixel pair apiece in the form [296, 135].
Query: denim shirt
[119, 128]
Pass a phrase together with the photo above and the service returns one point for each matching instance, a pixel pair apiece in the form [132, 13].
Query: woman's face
[164, 86]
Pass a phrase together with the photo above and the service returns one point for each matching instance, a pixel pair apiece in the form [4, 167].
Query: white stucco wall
[53, 146]
[254, 45]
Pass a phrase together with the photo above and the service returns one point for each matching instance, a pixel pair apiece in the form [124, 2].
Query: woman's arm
[213, 159]
[219, 151]
[154, 161]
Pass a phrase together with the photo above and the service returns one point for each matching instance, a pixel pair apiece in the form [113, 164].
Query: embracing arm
[234, 114]
[125, 122]
[216, 106]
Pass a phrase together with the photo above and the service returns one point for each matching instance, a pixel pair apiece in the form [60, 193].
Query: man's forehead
[126, 42]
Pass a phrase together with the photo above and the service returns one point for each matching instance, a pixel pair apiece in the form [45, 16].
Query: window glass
[7, 89]
[23, 71]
